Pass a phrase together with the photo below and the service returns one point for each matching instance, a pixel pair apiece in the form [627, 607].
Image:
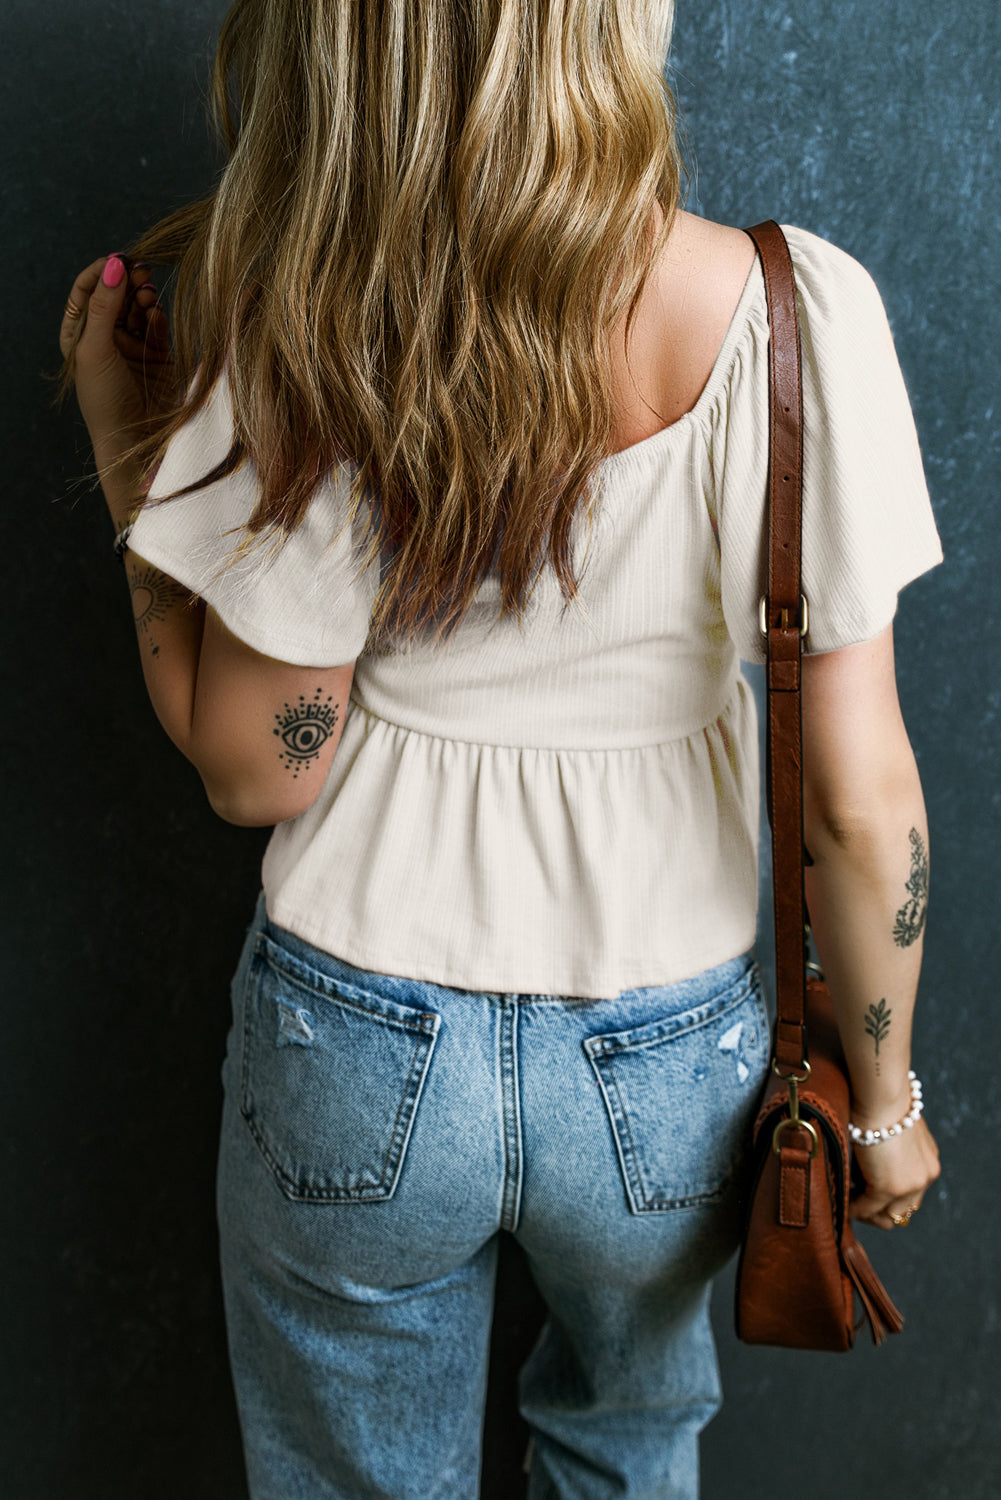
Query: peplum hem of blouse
[534, 871]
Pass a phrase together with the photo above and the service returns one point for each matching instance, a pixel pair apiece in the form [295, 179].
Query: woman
[451, 553]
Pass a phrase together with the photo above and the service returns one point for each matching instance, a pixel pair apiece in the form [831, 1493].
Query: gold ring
[72, 311]
[901, 1221]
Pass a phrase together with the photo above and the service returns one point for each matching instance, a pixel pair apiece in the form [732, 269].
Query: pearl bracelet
[873, 1137]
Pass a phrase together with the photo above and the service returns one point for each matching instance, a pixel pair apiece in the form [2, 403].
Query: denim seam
[510, 1115]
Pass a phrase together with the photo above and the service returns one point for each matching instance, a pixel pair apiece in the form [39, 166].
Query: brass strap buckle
[804, 616]
[794, 1122]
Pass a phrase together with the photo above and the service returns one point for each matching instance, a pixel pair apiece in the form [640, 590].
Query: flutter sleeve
[306, 598]
[868, 525]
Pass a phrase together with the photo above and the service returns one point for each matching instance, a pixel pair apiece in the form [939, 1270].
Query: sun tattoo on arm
[153, 595]
[304, 728]
[910, 919]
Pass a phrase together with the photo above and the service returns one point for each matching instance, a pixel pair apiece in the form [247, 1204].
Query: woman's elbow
[866, 820]
[247, 806]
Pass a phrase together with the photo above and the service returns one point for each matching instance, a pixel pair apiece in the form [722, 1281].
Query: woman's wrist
[122, 484]
[871, 1109]
[865, 1134]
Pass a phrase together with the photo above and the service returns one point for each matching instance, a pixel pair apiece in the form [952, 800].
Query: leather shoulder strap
[784, 622]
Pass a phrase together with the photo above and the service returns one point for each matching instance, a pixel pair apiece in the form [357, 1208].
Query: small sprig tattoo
[304, 729]
[877, 1024]
[910, 919]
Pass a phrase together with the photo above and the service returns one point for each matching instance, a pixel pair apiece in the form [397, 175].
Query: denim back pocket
[681, 1094]
[331, 1079]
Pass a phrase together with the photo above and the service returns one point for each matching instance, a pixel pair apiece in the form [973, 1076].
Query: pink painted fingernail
[114, 270]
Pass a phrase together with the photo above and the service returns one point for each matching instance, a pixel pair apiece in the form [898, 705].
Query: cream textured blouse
[570, 806]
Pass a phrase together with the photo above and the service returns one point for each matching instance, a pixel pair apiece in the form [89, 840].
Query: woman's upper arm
[264, 731]
[856, 752]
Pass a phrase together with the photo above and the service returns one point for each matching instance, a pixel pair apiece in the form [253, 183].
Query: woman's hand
[897, 1172]
[117, 339]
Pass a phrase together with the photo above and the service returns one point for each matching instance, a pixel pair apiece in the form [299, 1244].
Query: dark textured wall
[876, 126]
[872, 124]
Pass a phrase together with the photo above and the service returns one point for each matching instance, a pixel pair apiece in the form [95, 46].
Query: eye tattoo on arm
[153, 594]
[877, 1024]
[304, 729]
[910, 919]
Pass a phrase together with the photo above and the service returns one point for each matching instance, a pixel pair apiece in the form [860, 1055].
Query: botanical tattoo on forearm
[304, 729]
[910, 919]
[153, 593]
[877, 1024]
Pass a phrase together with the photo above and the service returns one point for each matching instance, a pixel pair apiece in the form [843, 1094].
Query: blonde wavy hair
[434, 212]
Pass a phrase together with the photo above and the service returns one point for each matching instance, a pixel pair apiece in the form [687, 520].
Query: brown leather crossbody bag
[800, 1264]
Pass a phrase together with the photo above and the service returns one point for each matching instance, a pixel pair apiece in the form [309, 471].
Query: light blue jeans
[377, 1134]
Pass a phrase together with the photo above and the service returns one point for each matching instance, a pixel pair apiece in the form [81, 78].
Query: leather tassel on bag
[800, 1266]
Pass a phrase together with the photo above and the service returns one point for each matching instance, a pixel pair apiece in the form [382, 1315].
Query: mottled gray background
[873, 124]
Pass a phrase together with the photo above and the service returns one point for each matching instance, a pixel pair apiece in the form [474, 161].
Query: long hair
[433, 215]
